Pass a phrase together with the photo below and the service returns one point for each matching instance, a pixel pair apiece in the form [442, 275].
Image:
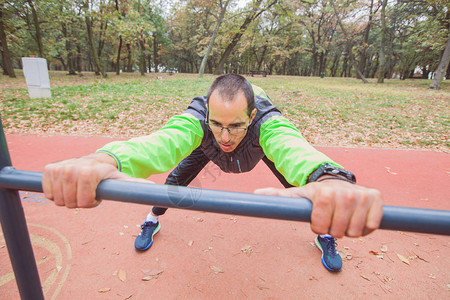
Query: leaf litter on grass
[334, 111]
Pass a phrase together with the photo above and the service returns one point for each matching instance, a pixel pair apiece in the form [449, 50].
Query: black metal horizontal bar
[275, 207]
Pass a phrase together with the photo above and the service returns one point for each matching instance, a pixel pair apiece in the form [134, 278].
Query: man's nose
[225, 135]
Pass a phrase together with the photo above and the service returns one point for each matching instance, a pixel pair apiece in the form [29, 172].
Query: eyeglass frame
[225, 127]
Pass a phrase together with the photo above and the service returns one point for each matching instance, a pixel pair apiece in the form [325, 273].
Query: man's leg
[326, 243]
[182, 175]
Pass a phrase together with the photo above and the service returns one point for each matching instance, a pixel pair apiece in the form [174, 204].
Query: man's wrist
[328, 177]
[102, 157]
[326, 170]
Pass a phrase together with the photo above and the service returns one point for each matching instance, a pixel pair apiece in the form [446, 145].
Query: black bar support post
[17, 239]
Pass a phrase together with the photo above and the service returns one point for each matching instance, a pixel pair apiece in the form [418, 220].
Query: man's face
[230, 114]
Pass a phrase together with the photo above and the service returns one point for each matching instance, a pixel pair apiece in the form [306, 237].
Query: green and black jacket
[270, 135]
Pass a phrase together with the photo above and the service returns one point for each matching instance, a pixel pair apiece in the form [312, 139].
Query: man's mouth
[226, 146]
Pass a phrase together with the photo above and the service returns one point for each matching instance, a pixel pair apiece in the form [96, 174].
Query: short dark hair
[229, 85]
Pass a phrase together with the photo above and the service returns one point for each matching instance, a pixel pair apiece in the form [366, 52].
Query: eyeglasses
[218, 129]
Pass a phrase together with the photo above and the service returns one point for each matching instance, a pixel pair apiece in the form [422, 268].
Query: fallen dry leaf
[104, 290]
[216, 270]
[377, 254]
[247, 250]
[152, 274]
[389, 171]
[261, 287]
[403, 259]
[122, 275]
[365, 277]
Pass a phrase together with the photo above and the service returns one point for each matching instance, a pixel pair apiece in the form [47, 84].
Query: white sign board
[36, 76]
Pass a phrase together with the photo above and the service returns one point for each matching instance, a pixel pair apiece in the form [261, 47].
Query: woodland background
[380, 38]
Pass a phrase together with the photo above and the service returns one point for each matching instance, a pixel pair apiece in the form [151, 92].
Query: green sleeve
[160, 151]
[292, 155]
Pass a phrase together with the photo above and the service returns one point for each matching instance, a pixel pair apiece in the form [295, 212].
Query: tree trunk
[362, 58]
[118, 56]
[211, 42]
[350, 54]
[382, 66]
[37, 28]
[375, 67]
[8, 68]
[129, 59]
[120, 42]
[249, 18]
[79, 58]
[443, 64]
[149, 62]
[142, 64]
[335, 65]
[261, 59]
[101, 40]
[368, 67]
[96, 60]
[447, 75]
[63, 63]
[70, 64]
[155, 53]
[313, 60]
[345, 62]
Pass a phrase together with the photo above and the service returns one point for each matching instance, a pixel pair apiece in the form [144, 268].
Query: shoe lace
[146, 227]
[331, 245]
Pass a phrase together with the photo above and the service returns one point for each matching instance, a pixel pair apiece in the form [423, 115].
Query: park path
[89, 254]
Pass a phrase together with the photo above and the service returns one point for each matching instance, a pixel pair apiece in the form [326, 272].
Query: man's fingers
[322, 212]
[47, 182]
[57, 186]
[342, 216]
[339, 208]
[296, 192]
[68, 186]
[88, 179]
[358, 219]
[268, 191]
[375, 214]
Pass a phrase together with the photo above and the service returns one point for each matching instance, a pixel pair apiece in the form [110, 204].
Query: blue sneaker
[330, 256]
[145, 238]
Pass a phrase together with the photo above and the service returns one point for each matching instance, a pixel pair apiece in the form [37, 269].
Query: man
[235, 126]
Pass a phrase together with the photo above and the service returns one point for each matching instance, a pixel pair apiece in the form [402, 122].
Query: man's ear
[252, 116]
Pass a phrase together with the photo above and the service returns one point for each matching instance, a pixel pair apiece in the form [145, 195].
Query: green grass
[329, 111]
